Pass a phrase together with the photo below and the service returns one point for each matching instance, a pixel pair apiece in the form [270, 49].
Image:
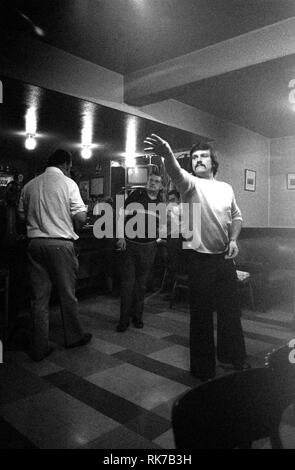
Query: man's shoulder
[69, 181]
[33, 182]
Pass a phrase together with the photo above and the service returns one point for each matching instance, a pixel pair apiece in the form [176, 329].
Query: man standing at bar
[212, 273]
[52, 207]
[139, 253]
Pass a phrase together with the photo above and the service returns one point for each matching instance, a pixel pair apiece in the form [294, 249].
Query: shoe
[121, 327]
[37, 358]
[82, 342]
[138, 323]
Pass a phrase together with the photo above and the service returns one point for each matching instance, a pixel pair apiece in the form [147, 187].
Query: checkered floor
[116, 392]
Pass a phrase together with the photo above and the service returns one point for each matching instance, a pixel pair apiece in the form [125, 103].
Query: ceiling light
[86, 152]
[30, 142]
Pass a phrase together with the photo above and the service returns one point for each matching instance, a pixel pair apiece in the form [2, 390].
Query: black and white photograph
[291, 181]
[147, 228]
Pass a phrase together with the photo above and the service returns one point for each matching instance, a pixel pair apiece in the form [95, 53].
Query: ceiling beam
[158, 82]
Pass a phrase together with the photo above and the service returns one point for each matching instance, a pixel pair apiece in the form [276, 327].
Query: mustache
[201, 164]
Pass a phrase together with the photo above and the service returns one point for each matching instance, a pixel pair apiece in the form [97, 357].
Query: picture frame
[84, 190]
[291, 181]
[250, 180]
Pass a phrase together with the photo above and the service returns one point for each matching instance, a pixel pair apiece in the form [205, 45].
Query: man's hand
[121, 244]
[159, 146]
[233, 250]
[79, 220]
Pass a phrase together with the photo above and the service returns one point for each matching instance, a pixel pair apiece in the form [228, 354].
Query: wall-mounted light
[131, 138]
[31, 128]
[33, 100]
[31, 121]
[88, 116]
[30, 142]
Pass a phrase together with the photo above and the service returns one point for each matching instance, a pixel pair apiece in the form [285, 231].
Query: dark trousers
[213, 286]
[53, 262]
[137, 263]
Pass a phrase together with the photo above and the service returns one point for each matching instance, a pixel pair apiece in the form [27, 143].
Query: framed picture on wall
[250, 180]
[291, 181]
[84, 190]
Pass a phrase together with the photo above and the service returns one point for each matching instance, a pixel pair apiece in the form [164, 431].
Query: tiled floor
[116, 392]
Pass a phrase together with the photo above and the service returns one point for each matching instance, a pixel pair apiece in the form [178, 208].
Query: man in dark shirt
[139, 245]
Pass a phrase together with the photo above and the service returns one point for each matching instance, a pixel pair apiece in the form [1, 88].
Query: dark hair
[213, 155]
[174, 192]
[59, 157]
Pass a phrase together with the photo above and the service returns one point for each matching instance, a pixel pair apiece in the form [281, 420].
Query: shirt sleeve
[236, 214]
[76, 202]
[184, 181]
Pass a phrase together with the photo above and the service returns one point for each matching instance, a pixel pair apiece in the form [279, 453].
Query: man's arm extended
[160, 147]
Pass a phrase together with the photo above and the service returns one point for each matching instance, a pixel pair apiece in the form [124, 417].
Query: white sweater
[208, 208]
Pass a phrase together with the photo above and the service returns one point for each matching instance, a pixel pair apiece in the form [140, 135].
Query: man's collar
[54, 169]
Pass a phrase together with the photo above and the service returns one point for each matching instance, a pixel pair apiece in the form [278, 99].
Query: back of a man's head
[59, 158]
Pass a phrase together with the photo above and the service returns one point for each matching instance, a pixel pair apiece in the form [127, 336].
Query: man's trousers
[138, 261]
[53, 261]
[213, 286]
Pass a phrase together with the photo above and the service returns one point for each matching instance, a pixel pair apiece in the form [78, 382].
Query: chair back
[228, 412]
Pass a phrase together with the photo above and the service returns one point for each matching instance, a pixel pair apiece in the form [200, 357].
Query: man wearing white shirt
[52, 207]
[209, 250]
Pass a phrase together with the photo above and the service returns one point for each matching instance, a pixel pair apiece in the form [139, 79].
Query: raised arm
[160, 147]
